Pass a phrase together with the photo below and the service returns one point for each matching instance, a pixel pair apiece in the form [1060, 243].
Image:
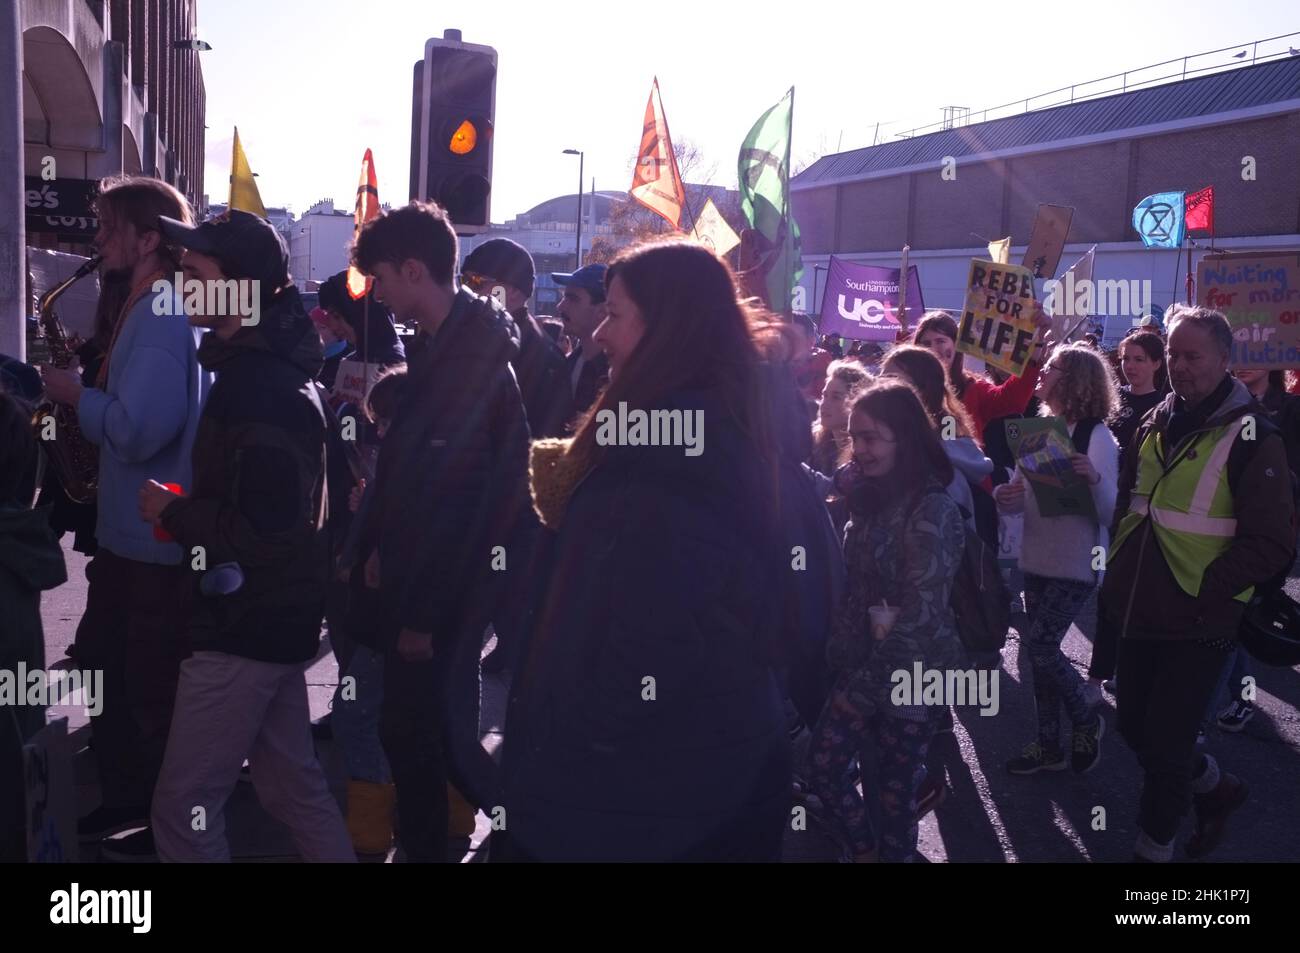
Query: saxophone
[74, 459]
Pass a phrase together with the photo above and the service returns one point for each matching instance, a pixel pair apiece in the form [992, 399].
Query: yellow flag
[1000, 251]
[243, 190]
[713, 232]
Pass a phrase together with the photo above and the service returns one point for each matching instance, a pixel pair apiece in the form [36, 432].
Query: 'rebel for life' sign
[1001, 316]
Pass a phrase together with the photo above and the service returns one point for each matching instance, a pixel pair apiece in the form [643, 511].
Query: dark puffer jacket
[259, 483]
[663, 584]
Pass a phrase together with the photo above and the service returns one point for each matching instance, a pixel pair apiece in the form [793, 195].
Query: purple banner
[861, 301]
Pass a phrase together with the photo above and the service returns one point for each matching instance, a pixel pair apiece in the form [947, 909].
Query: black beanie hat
[501, 258]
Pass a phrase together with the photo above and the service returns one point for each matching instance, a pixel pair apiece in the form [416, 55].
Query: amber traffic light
[451, 130]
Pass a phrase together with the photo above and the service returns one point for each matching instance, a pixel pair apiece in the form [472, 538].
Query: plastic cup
[882, 620]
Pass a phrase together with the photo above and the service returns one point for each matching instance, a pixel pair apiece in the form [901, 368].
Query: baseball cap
[589, 277]
[247, 245]
[504, 260]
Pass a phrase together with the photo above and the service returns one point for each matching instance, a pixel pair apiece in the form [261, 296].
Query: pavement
[988, 815]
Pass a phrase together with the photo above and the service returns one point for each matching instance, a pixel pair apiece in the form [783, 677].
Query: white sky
[313, 83]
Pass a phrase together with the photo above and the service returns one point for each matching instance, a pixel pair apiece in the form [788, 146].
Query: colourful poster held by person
[1001, 316]
[861, 301]
[1259, 293]
[1042, 449]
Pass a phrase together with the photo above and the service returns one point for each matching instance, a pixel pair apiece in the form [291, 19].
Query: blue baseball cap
[589, 277]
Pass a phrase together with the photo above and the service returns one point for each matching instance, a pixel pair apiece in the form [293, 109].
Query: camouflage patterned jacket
[908, 553]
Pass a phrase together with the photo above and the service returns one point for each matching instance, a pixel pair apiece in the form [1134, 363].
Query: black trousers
[1164, 687]
[429, 728]
[134, 630]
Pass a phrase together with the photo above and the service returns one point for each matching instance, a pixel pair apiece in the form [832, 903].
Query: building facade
[318, 244]
[947, 193]
[93, 88]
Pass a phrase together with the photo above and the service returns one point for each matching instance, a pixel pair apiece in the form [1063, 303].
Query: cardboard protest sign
[1259, 293]
[353, 382]
[1001, 315]
[1047, 240]
[1042, 448]
[861, 301]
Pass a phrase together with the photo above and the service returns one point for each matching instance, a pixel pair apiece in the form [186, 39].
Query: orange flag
[367, 208]
[657, 184]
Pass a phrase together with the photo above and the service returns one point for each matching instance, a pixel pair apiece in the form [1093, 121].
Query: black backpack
[980, 600]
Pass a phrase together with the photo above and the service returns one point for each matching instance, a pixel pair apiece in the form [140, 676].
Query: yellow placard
[1001, 316]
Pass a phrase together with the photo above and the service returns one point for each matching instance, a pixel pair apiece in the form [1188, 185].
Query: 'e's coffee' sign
[1001, 316]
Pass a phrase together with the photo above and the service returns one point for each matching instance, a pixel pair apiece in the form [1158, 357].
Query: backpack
[980, 600]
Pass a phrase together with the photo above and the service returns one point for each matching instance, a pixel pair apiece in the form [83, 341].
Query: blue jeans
[357, 706]
[1234, 672]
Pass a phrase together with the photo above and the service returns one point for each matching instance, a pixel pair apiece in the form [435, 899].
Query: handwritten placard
[1001, 315]
[1259, 293]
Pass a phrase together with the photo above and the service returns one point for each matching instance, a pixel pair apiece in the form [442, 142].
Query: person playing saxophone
[142, 414]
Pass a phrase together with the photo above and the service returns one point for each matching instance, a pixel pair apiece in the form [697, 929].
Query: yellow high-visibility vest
[1190, 504]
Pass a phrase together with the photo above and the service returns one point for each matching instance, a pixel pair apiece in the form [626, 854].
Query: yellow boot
[460, 814]
[370, 816]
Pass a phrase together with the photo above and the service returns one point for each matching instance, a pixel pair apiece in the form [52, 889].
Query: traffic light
[454, 100]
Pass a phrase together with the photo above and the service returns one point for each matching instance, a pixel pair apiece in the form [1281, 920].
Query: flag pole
[902, 292]
[686, 190]
[1178, 267]
[1190, 282]
[785, 203]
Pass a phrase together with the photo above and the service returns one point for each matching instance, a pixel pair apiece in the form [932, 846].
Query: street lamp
[198, 46]
[577, 257]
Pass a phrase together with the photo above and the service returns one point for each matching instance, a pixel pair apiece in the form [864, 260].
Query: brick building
[106, 90]
[1100, 156]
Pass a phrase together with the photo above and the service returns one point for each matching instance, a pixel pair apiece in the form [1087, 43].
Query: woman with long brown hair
[983, 400]
[647, 721]
[922, 370]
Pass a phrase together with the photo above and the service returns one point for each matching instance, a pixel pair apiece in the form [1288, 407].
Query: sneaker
[1212, 812]
[137, 848]
[1087, 746]
[105, 821]
[1110, 685]
[1036, 758]
[1234, 717]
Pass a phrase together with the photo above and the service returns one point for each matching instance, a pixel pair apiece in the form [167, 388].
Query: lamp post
[577, 256]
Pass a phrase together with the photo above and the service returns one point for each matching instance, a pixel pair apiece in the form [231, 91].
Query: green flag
[765, 197]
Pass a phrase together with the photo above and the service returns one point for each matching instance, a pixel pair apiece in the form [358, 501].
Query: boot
[1212, 812]
[370, 816]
